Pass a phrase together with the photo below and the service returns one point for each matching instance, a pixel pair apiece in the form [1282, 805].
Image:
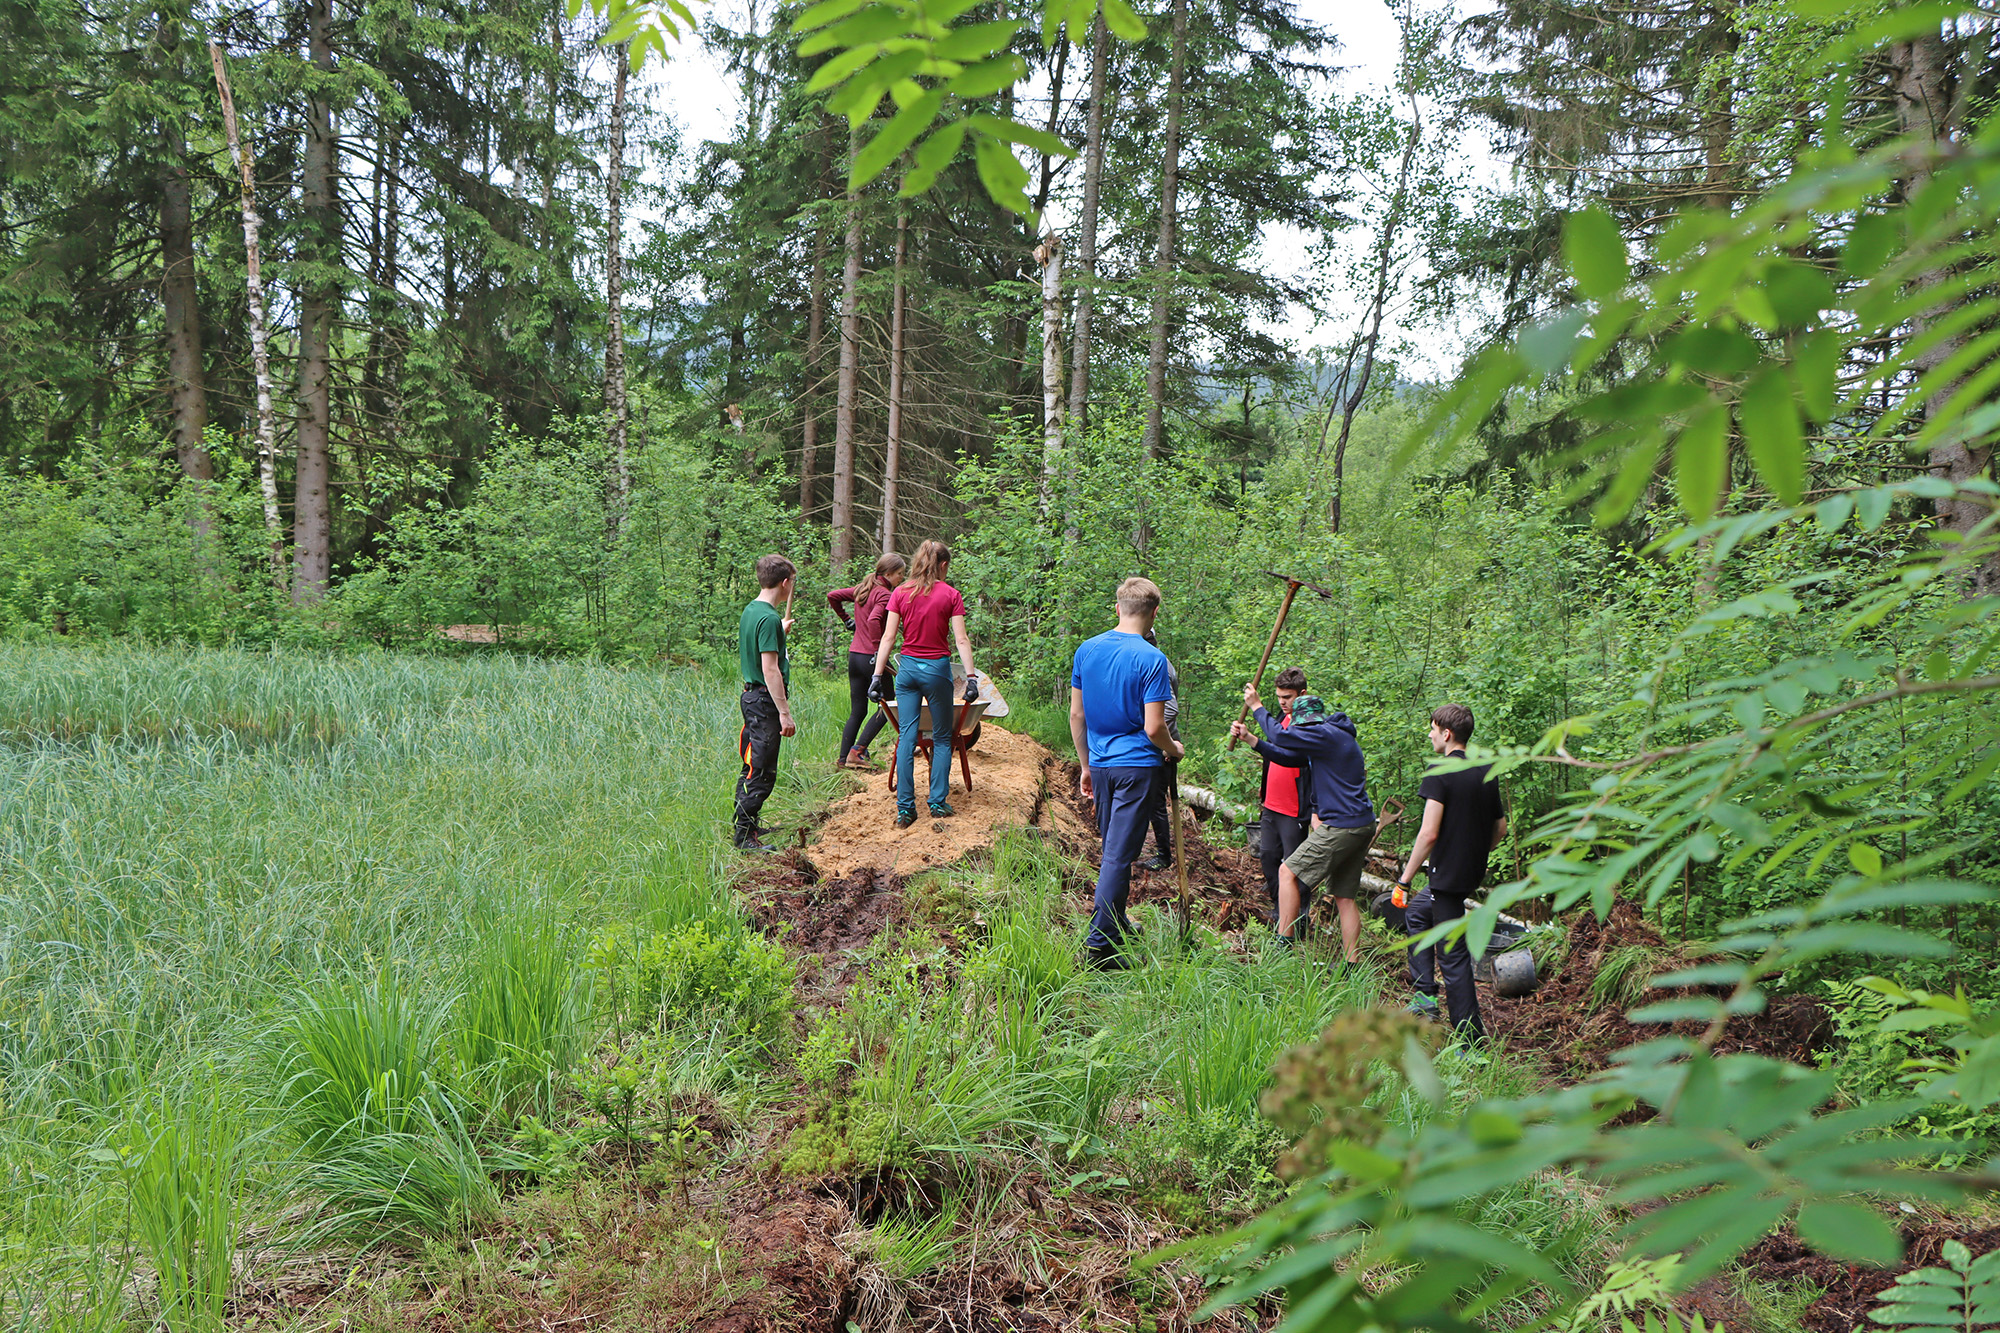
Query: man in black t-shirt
[1464, 821]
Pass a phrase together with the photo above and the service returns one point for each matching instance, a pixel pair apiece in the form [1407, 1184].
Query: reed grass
[194, 844]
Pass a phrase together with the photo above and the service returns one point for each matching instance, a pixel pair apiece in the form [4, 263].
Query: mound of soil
[1010, 780]
[827, 920]
[1559, 1022]
[805, 1281]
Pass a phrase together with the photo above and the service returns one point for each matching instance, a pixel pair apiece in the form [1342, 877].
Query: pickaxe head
[1288, 580]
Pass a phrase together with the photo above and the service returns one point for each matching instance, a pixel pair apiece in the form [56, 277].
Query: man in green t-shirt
[767, 710]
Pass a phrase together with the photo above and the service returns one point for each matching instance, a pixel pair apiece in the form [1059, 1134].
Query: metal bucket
[1514, 974]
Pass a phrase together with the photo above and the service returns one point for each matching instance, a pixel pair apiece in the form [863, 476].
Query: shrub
[700, 975]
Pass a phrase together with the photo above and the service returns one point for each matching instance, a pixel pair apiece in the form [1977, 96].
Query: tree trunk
[1050, 255]
[1156, 356]
[1927, 110]
[260, 347]
[848, 392]
[809, 400]
[615, 411]
[1370, 337]
[1093, 178]
[892, 456]
[187, 388]
[312, 501]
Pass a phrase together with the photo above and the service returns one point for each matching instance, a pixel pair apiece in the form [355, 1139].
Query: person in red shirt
[870, 600]
[923, 610]
[1287, 814]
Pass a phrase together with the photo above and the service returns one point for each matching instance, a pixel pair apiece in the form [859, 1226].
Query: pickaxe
[1292, 587]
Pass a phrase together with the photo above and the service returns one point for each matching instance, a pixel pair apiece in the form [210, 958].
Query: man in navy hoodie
[1343, 820]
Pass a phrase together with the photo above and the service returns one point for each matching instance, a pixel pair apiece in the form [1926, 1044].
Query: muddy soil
[1559, 1025]
[1850, 1290]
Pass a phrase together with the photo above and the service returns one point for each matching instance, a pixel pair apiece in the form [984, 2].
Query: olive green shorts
[1333, 858]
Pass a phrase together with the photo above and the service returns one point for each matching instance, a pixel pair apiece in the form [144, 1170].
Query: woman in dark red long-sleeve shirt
[870, 600]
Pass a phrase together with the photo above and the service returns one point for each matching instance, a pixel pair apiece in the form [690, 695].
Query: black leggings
[860, 670]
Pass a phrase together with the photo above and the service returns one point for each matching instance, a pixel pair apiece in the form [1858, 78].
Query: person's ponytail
[933, 557]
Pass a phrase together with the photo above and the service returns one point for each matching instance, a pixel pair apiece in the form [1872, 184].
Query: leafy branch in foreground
[1821, 768]
[921, 58]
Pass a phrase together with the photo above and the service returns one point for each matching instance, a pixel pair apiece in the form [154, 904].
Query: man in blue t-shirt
[1119, 686]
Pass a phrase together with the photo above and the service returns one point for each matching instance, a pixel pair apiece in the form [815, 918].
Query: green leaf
[1770, 420]
[1002, 174]
[1596, 253]
[890, 141]
[988, 77]
[1124, 21]
[1850, 1231]
[976, 41]
[1816, 366]
[877, 23]
[936, 153]
[825, 12]
[1701, 463]
[1871, 507]
[1870, 243]
[839, 68]
[1798, 293]
[1711, 350]
[1013, 131]
[1864, 858]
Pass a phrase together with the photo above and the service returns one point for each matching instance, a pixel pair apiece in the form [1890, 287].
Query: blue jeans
[921, 679]
[1124, 797]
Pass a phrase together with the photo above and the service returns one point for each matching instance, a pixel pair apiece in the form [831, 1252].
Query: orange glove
[1399, 897]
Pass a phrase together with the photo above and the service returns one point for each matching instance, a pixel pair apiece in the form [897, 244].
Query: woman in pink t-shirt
[923, 610]
[870, 599]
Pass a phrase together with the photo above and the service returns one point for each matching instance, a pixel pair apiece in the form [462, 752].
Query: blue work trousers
[921, 679]
[1124, 798]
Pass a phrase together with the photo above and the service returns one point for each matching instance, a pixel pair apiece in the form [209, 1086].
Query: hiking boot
[1106, 958]
[1424, 1006]
[752, 845]
[905, 818]
[942, 810]
[857, 758]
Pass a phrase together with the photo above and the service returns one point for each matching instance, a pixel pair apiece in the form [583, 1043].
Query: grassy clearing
[340, 898]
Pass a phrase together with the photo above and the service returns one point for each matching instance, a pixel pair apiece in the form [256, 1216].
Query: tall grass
[183, 1169]
[192, 841]
[523, 1017]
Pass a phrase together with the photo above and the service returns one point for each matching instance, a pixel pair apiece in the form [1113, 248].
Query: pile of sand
[1011, 778]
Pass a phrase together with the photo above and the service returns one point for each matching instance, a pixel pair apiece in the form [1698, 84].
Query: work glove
[971, 689]
[880, 686]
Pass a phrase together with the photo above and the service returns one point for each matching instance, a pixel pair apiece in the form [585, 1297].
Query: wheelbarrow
[965, 734]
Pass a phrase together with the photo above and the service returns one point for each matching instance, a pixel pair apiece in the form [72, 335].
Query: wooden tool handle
[1292, 587]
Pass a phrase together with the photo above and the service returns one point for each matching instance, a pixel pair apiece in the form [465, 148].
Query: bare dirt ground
[1010, 778]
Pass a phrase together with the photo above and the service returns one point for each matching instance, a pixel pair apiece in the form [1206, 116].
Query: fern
[1962, 1297]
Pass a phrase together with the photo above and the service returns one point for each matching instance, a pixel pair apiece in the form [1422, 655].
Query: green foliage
[1623, 976]
[521, 1021]
[183, 1167]
[546, 548]
[702, 976]
[133, 548]
[1962, 1297]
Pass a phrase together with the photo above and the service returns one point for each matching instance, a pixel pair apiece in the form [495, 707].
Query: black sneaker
[942, 810]
[905, 818]
[1106, 958]
[752, 845]
[1157, 863]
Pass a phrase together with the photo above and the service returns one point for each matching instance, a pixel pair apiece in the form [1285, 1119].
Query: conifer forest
[476, 479]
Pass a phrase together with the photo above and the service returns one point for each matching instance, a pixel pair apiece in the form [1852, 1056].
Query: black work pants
[758, 745]
[1157, 819]
[1278, 836]
[861, 726]
[1454, 961]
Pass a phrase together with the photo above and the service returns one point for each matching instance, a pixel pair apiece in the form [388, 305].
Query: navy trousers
[1124, 799]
